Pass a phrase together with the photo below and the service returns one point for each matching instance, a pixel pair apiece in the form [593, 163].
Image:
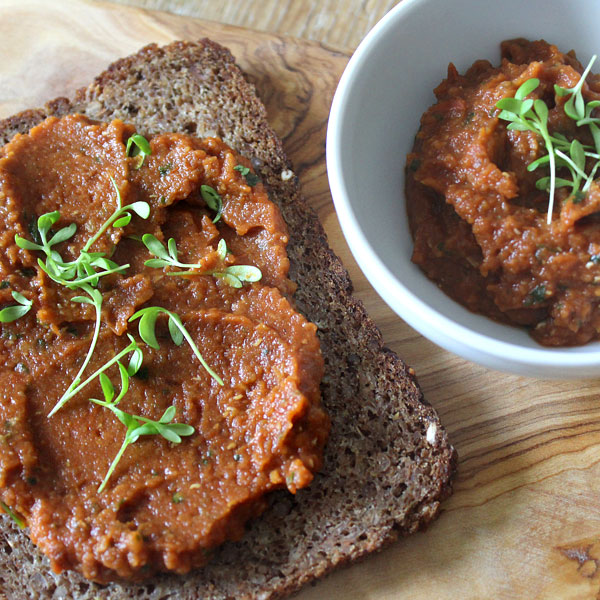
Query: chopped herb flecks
[251, 178]
[165, 169]
[537, 295]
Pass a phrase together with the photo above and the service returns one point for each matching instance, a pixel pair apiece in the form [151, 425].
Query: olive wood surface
[524, 520]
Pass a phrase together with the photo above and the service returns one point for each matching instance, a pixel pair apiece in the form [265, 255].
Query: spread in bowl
[156, 379]
[501, 193]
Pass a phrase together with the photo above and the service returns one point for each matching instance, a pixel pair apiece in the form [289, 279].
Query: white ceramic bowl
[375, 114]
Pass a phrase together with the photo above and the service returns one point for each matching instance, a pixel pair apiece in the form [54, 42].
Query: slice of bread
[388, 462]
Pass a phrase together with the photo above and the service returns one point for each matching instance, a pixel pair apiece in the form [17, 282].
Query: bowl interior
[387, 86]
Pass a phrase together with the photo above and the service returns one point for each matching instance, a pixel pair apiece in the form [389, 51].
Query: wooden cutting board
[524, 521]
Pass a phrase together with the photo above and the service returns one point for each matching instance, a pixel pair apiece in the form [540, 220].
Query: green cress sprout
[147, 327]
[134, 365]
[526, 114]
[251, 178]
[121, 217]
[213, 200]
[11, 513]
[12, 313]
[82, 270]
[531, 115]
[84, 274]
[137, 426]
[167, 257]
[137, 145]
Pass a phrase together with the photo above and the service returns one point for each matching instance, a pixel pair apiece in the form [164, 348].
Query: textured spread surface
[388, 461]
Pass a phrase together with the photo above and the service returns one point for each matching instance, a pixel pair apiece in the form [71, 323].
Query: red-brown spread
[478, 220]
[166, 504]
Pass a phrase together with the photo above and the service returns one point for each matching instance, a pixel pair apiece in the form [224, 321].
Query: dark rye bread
[388, 462]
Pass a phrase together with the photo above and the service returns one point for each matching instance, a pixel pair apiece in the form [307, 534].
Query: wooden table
[524, 520]
[341, 24]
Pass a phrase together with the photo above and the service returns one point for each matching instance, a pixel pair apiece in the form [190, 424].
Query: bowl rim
[449, 334]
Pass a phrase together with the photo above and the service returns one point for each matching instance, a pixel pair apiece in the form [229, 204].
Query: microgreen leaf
[543, 160]
[572, 111]
[157, 263]
[12, 313]
[230, 279]
[526, 106]
[123, 221]
[147, 326]
[251, 178]
[21, 299]
[105, 263]
[147, 332]
[46, 221]
[168, 415]
[509, 105]
[526, 88]
[138, 426]
[544, 183]
[181, 428]
[175, 331]
[124, 381]
[135, 362]
[213, 200]
[541, 110]
[26, 244]
[63, 234]
[245, 272]
[138, 145]
[107, 387]
[222, 249]
[155, 246]
[515, 126]
[172, 247]
[578, 154]
[242, 169]
[141, 209]
[168, 434]
[145, 429]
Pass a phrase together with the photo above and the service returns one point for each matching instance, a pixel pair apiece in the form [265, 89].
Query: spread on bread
[501, 190]
[151, 396]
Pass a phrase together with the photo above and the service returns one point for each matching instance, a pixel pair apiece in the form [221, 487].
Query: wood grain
[341, 25]
[524, 521]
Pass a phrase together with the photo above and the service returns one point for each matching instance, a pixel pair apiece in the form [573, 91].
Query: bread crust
[388, 463]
